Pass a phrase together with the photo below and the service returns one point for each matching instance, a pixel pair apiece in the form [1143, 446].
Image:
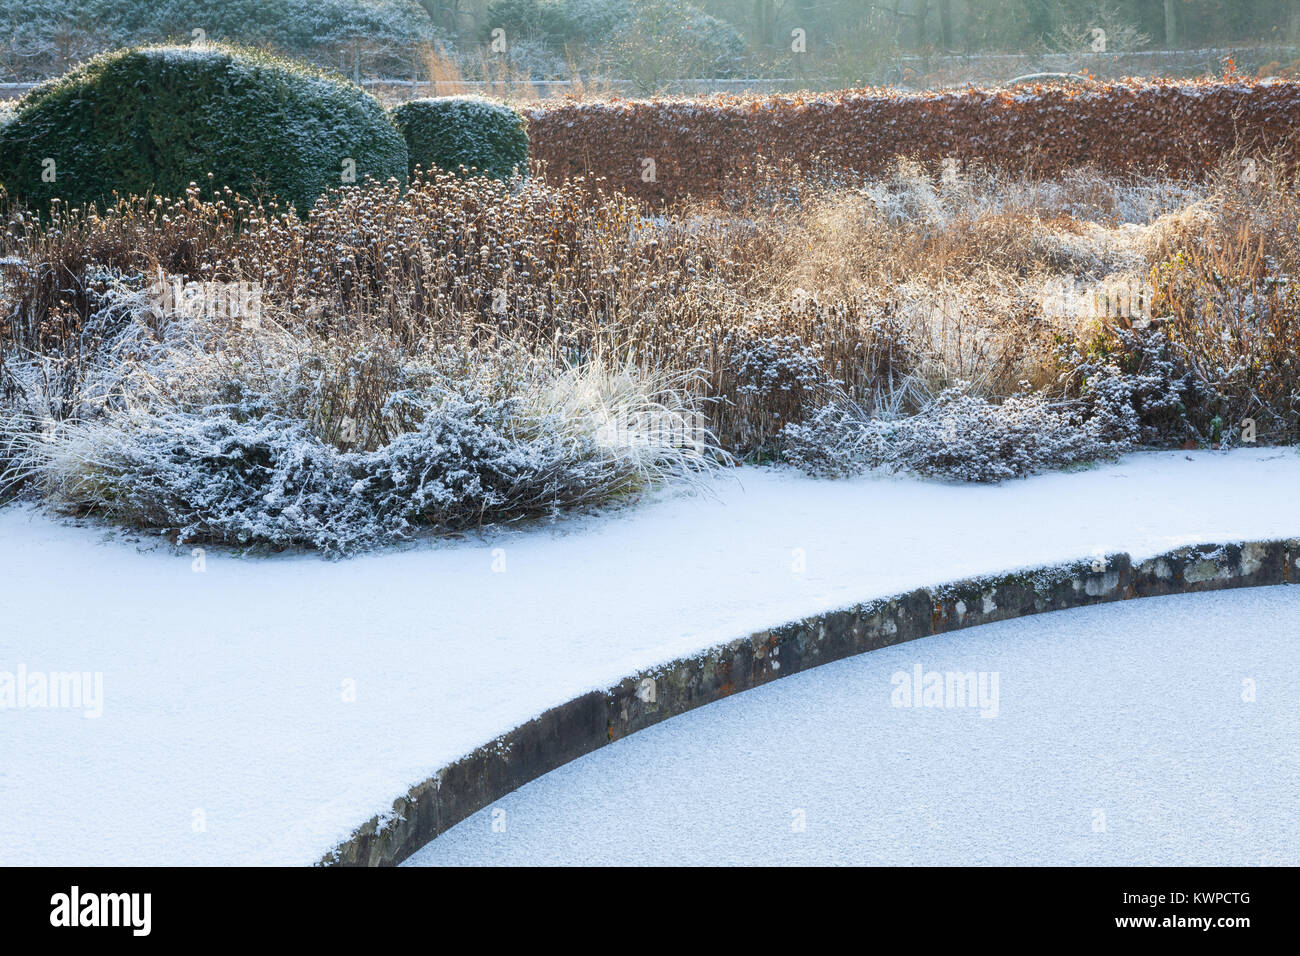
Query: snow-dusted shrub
[1136, 389]
[771, 378]
[1229, 306]
[216, 474]
[208, 475]
[959, 436]
[828, 444]
[449, 132]
[964, 437]
[155, 119]
[766, 365]
[192, 426]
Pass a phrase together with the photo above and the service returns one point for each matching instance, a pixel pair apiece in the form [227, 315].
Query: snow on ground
[1120, 737]
[260, 710]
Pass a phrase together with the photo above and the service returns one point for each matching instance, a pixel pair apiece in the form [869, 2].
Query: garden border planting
[595, 719]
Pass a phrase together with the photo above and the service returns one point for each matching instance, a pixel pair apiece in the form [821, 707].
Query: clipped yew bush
[449, 132]
[155, 119]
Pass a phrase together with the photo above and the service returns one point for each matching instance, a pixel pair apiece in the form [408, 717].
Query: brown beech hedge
[666, 150]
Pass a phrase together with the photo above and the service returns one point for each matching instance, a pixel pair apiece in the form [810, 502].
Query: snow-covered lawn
[1119, 735]
[260, 710]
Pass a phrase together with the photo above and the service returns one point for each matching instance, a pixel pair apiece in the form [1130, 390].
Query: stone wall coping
[592, 720]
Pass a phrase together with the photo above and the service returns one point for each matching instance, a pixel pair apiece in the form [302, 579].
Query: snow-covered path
[1120, 737]
[260, 710]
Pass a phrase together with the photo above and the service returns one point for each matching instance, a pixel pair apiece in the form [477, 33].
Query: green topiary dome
[158, 118]
[454, 131]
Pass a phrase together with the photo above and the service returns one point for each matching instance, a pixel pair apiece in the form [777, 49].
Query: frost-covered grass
[215, 434]
[466, 351]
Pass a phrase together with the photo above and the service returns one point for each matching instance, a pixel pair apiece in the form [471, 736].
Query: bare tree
[919, 15]
[765, 21]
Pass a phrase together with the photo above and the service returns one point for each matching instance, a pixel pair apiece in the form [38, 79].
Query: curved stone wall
[600, 717]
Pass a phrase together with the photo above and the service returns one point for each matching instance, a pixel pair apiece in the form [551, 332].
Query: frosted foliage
[959, 436]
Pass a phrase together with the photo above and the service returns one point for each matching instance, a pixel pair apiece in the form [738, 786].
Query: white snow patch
[1121, 738]
[225, 691]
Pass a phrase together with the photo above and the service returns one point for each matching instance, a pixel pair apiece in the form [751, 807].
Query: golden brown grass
[881, 291]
